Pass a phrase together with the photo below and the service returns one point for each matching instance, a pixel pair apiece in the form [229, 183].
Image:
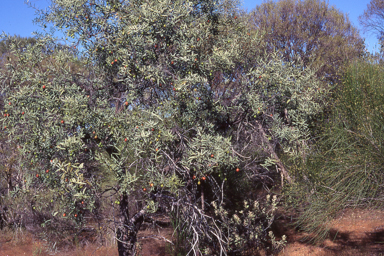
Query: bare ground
[354, 232]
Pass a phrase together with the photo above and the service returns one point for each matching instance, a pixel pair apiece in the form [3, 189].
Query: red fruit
[235, 17]
[64, 214]
[237, 169]
[126, 103]
[115, 60]
[157, 149]
[43, 86]
[204, 178]
[37, 175]
[174, 88]
[212, 155]
[82, 202]
[62, 121]
[125, 139]
[75, 215]
[144, 189]
[172, 62]
[198, 39]
[22, 113]
[259, 77]
[9, 103]
[153, 129]
[194, 177]
[47, 171]
[151, 184]
[5, 115]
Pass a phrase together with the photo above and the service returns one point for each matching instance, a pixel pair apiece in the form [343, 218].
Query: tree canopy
[169, 113]
[373, 17]
[318, 34]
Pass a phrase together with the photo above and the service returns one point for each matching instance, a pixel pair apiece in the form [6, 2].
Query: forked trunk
[127, 234]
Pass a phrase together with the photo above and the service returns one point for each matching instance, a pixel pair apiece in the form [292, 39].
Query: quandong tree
[173, 107]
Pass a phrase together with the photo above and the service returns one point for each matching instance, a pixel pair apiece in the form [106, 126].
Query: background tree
[373, 19]
[166, 117]
[319, 34]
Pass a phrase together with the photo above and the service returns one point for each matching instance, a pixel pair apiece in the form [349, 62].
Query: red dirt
[354, 232]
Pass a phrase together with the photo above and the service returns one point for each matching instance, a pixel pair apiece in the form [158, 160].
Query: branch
[156, 237]
[279, 163]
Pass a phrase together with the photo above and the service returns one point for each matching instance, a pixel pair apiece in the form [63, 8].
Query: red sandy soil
[354, 232]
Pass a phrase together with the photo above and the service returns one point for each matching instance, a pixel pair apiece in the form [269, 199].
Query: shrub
[345, 168]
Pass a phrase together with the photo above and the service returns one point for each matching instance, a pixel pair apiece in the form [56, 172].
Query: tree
[320, 35]
[166, 116]
[372, 19]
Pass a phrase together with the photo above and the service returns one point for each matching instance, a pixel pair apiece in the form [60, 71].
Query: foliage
[345, 168]
[247, 229]
[372, 19]
[311, 30]
[160, 114]
[21, 42]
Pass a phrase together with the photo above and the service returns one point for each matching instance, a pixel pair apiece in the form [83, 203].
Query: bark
[127, 234]
[281, 166]
[202, 197]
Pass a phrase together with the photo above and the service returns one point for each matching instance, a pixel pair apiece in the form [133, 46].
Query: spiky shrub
[165, 111]
[345, 168]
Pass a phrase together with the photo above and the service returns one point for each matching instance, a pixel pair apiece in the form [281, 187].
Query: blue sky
[16, 17]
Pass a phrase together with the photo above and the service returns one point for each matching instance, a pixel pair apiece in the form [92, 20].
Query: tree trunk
[127, 234]
[284, 171]
[202, 197]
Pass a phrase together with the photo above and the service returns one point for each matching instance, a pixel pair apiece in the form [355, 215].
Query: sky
[16, 17]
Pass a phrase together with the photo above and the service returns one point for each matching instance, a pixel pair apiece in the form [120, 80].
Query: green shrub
[345, 168]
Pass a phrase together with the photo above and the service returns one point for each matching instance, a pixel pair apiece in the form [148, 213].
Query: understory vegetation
[345, 168]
